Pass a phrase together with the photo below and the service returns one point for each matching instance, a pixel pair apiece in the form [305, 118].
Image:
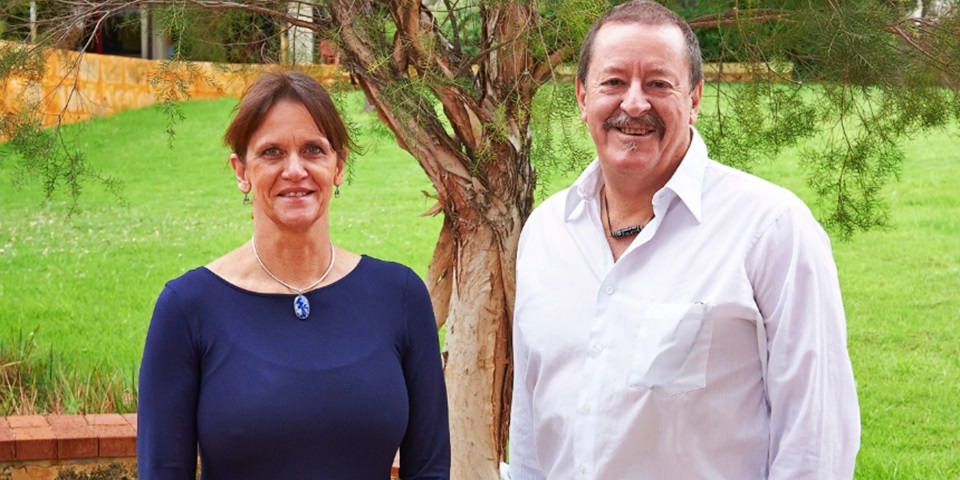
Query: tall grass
[36, 381]
[85, 286]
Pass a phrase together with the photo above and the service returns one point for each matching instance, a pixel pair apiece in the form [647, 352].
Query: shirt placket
[588, 421]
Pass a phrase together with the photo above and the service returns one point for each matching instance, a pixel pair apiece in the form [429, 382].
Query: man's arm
[814, 413]
[523, 454]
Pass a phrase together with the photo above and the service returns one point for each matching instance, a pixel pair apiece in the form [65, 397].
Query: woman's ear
[341, 167]
[240, 169]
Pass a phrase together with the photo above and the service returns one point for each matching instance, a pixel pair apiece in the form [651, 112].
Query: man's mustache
[645, 121]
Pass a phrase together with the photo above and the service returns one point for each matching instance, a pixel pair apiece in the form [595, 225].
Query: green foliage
[17, 61]
[863, 80]
[231, 36]
[846, 45]
[15, 19]
[461, 23]
[563, 24]
[744, 124]
[36, 152]
[561, 145]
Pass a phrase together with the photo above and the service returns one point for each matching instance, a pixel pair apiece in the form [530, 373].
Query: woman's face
[290, 169]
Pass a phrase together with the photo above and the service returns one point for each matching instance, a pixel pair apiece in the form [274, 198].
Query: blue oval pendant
[301, 307]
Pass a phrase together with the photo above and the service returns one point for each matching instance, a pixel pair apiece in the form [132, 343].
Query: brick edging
[55, 437]
[64, 437]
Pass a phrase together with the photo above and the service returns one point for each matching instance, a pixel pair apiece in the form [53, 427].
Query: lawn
[84, 286]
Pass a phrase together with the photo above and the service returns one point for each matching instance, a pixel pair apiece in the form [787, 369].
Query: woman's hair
[273, 87]
[644, 13]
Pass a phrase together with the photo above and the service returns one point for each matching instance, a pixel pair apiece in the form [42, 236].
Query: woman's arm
[169, 383]
[425, 449]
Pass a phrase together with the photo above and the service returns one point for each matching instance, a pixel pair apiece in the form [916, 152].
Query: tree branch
[735, 16]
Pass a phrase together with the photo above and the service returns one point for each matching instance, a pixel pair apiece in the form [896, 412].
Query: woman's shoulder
[388, 273]
[385, 270]
[194, 280]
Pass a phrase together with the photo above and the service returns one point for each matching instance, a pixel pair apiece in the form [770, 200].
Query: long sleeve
[425, 449]
[169, 381]
[814, 413]
[523, 457]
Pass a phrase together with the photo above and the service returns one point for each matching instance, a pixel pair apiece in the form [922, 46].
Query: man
[675, 318]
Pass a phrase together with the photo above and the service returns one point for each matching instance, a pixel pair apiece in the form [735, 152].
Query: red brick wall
[39, 447]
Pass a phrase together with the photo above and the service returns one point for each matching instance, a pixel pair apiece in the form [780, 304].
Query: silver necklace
[301, 306]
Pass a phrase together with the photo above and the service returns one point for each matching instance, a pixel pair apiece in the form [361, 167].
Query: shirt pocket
[671, 348]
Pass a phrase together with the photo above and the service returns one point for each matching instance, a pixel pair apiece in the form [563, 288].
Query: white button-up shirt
[714, 348]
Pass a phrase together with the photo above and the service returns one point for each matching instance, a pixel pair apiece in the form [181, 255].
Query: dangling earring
[246, 198]
[336, 192]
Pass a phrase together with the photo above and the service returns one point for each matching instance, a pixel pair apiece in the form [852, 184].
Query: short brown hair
[644, 13]
[272, 87]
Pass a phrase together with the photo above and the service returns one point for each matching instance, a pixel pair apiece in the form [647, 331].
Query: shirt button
[585, 409]
[609, 290]
[597, 348]
[583, 468]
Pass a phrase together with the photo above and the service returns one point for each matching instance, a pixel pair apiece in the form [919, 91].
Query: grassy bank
[85, 286]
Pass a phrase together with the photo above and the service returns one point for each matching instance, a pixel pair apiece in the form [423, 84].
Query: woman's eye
[272, 152]
[314, 150]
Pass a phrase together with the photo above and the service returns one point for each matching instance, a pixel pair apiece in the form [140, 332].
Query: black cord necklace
[626, 231]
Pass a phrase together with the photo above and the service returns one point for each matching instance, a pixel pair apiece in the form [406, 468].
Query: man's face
[637, 100]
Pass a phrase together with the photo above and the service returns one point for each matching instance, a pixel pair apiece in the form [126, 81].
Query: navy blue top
[267, 395]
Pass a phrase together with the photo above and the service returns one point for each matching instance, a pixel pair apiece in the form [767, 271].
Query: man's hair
[644, 13]
[273, 87]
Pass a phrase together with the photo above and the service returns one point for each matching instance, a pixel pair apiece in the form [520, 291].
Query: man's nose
[634, 100]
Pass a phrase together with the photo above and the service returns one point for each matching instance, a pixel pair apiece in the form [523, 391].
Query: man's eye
[612, 82]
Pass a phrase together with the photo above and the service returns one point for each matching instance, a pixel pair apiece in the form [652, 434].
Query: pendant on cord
[301, 307]
[626, 232]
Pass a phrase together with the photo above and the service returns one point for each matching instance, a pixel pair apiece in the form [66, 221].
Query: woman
[291, 357]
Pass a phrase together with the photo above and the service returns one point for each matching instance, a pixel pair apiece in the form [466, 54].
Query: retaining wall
[76, 87]
[61, 447]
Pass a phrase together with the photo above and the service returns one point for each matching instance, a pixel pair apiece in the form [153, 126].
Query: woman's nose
[294, 167]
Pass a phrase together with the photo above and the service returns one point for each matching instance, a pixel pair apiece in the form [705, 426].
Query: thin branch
[906, 37]
[735, 16]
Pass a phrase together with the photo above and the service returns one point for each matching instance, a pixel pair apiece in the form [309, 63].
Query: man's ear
[582, 100]
[695, 96]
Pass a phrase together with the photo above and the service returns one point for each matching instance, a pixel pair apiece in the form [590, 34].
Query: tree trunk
[484, 183]
[478, 365]
[299, 40]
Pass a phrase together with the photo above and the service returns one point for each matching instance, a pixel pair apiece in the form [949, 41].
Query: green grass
[86, 284]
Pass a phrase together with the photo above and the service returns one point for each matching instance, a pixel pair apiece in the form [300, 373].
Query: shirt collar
[686, 183]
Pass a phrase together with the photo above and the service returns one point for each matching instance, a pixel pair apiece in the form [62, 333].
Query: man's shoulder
[556, 202]
[738, 184]
[551, 210]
